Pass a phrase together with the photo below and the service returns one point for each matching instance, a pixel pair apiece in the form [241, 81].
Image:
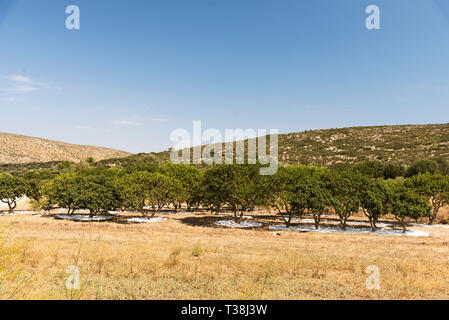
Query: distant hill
[22, 149]
[401, 144]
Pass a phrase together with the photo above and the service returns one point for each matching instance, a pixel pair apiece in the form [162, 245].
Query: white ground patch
[228, 215]
[349, 223]
[430, 226]
[242, 224]
[76, 211]
[411, 233]
[145, 220]
[78, 217]
[175, 213]
[15, 213]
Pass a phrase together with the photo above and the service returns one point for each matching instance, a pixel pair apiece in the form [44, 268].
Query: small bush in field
[197, 251]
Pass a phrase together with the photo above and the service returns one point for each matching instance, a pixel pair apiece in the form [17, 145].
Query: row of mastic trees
[293, 191]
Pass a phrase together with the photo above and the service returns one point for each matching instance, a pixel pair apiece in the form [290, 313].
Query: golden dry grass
[187, 257]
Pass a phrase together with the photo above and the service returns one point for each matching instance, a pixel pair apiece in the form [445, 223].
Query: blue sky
[138, 69]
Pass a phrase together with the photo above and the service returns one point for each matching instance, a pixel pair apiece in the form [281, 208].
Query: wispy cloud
[8, 99]
[126, 123]
[21, 79]
[136, 120]
[159, 119]
[19, 84]
[83, 127]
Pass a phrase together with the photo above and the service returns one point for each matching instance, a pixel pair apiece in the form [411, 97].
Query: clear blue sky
[138, 69]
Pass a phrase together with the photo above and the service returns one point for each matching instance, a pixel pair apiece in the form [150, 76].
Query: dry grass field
[189, 257]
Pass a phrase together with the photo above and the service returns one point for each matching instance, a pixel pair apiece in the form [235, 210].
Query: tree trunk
[317, 219]
[372, 224]
[241, 216]
[289, 220]
[343, 222]
[433, 216]
[235, 215]
[372, 221]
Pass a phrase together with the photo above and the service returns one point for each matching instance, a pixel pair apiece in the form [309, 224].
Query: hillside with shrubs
[402, 144]
[395, 145]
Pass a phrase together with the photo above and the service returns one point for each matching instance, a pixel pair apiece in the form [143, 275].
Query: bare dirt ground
[190, 257]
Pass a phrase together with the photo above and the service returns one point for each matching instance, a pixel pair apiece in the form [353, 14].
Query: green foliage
[406, 202]
[190, 178]
[345, 188]
[316, 195]
[164, 190]
[240, 187]
[434, 187]
[295, 190]
[95, 190]
[284, 196]
[60, 191]
[432, 166]
[134, 190]
[292, 191]
[12, 188]
[378, 169]
[374, 195]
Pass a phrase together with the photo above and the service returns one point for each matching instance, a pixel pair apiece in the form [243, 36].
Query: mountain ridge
[17, 148]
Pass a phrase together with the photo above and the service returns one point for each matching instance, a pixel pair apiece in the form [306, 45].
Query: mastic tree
[190, 177]
[317, 196]
[434, 187]
[374, 195]
[285, 197]
[345, 187]
[60, 191]
[97, 191]
[134, 189]
[94, 189]
[214, 188]
[11, 189]
[241, 187]
[195, 191]
[163, 191]
[405, 203]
